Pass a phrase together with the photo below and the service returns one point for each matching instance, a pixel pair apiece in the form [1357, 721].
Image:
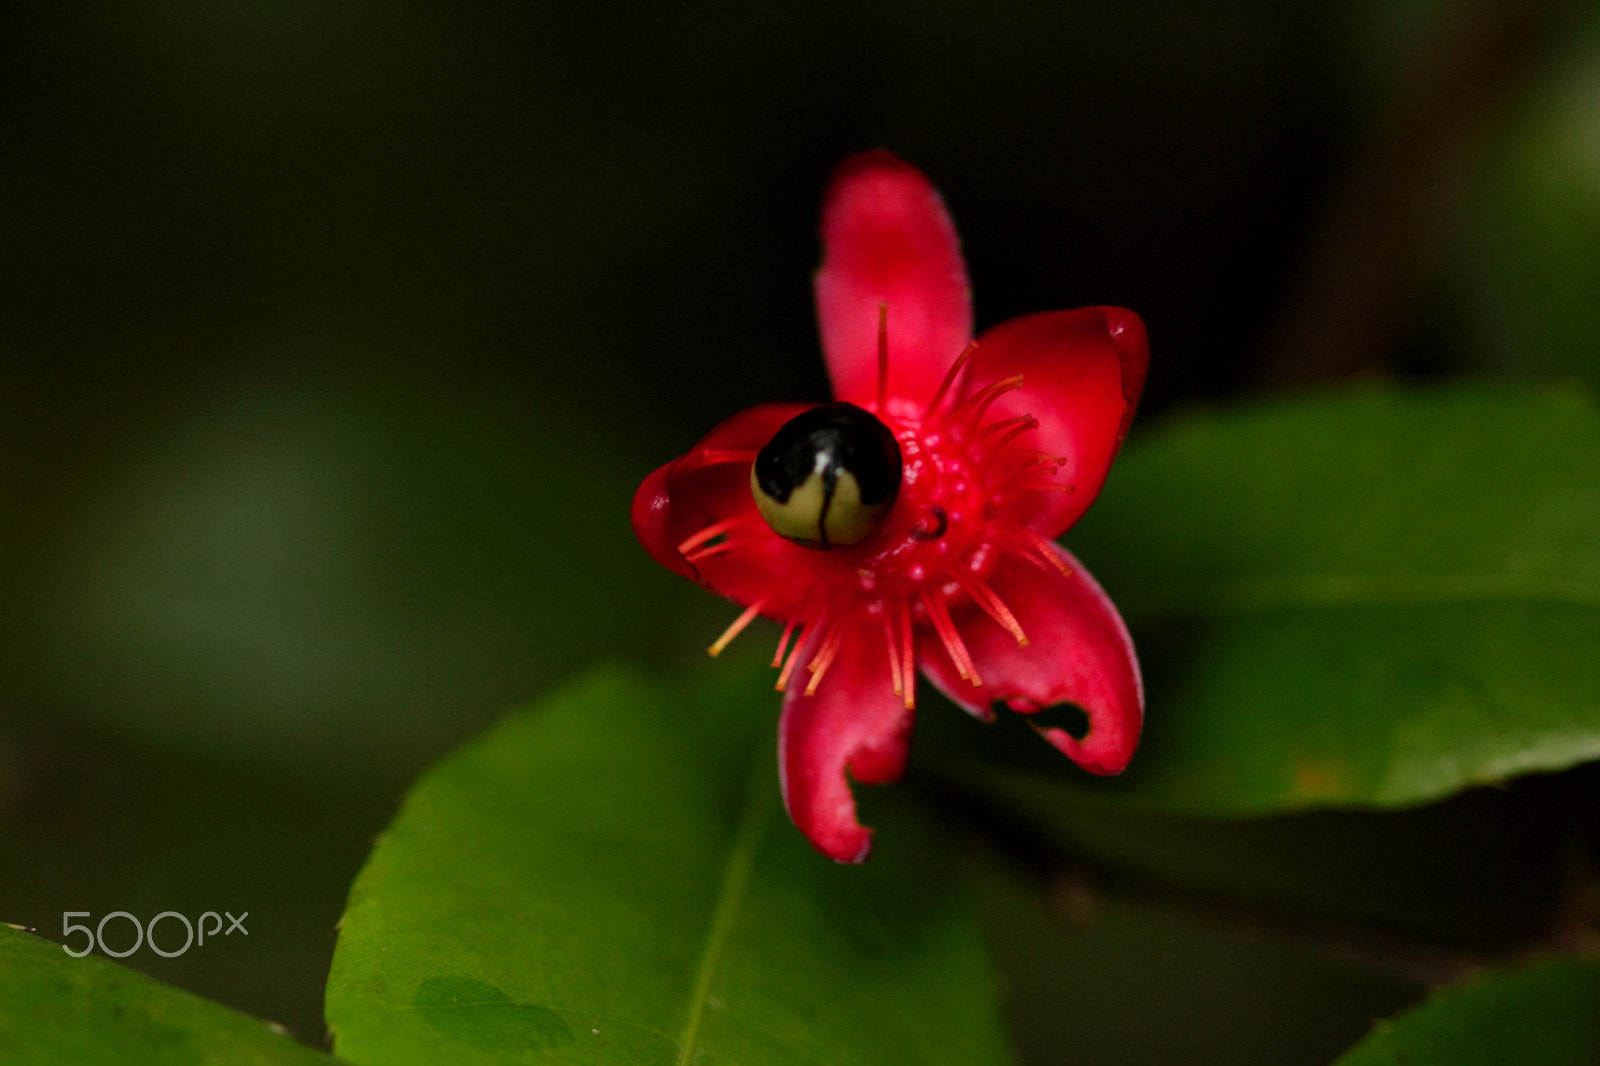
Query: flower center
[929, 561]
[937, 525]
[921, 558]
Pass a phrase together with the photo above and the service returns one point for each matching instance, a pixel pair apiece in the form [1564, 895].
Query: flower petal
[887, 239]
[1079, 652]
[1082, 374]
[854, 721]
[652, 521]
[707, 485]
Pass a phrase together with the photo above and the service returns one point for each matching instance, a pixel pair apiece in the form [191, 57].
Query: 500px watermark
[146, 934]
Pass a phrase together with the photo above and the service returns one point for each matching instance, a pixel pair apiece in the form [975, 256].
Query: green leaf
[1097, 982]
[609, 877]
[1371, 598]
[1525, 257]
[1542, 1015]
[1431, 875]
[88, 1011]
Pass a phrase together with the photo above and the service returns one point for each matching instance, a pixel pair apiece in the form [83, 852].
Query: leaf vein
[730, 894]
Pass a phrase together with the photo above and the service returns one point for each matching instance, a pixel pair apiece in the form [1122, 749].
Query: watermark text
[145, 934]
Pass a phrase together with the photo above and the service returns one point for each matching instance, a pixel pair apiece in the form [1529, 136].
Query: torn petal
[855, 722]
[1079, 653]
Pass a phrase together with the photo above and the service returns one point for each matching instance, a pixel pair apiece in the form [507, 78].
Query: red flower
[1002, 444]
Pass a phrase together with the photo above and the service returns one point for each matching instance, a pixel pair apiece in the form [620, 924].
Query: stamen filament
[883, 357]
[713, 549]
[939, 615]
[891, 640]
[1005, 423]
[992, 604]
[986, 396]
[788, 665]
[1028, 556]
[1026, 424]
[950, 376]
[819, 624]
[1036, 466]
[825, 657]
[715, 529]
[908, 654]
[737, 627]
[989, 395]
[1028, 544]
[1047, 549]
[783, 641]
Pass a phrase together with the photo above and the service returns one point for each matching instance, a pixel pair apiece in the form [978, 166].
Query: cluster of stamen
[909, 573]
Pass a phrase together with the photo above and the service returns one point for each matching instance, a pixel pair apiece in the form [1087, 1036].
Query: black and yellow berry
[828, 476]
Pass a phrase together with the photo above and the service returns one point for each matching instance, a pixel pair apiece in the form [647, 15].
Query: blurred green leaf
[358, 577]
[1432, 875]
[88, 1011]
[1526, 252]
[603, 879]
[1089, 984]
[1372, 598]
[90, 823]
[1543, 1015]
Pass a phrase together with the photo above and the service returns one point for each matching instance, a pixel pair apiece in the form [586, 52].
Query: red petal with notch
[887, 238]
[710, 484]
[1079, 652]
[854, 721]
[1082, 372]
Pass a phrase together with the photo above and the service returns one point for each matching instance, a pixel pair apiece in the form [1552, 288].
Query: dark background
[335, 336]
